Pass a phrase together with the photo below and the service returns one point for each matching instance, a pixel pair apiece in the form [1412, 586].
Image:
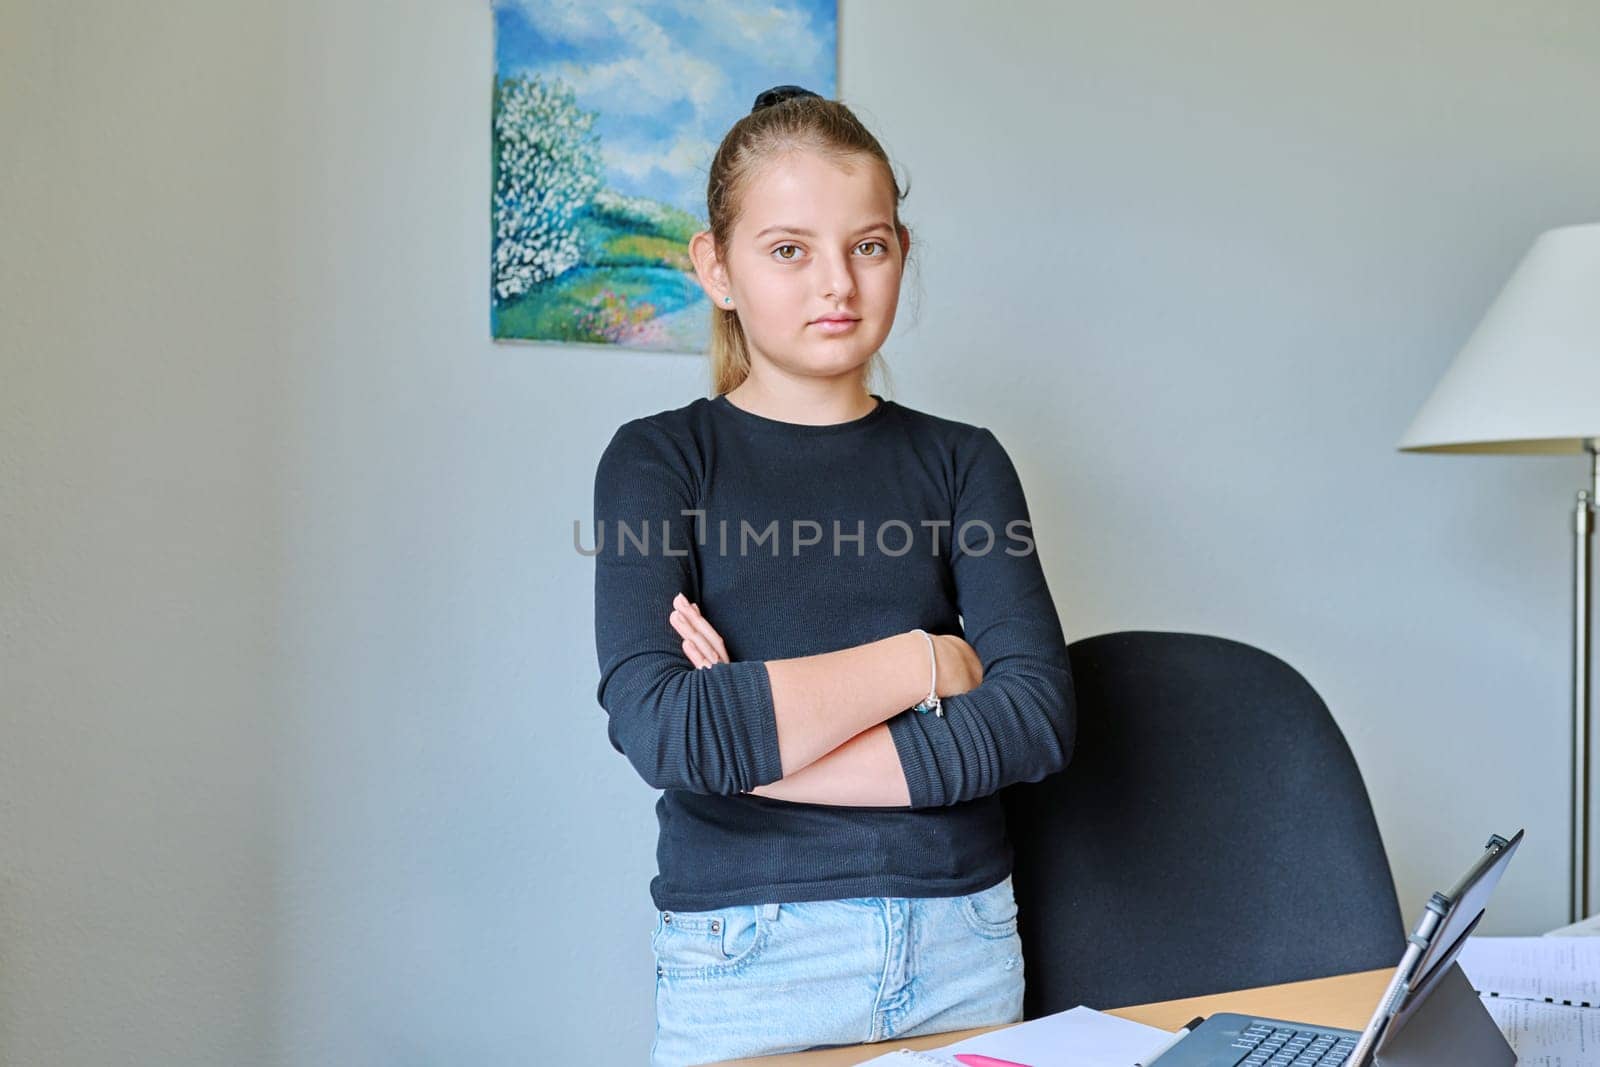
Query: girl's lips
[836, 325]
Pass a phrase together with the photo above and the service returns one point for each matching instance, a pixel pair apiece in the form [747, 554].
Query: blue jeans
[760, 979]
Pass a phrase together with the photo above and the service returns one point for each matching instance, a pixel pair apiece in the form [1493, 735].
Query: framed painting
[605, 118]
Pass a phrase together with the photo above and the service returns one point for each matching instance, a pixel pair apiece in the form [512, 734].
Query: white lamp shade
[1528, 379]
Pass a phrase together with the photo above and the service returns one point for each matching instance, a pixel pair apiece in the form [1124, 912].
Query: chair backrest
[1211, 833]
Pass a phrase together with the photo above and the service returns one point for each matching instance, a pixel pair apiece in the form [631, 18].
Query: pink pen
[972, 1059]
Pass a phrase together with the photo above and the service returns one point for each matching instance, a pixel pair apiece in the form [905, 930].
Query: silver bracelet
[931, 702]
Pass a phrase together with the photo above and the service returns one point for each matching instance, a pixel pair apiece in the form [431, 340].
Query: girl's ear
[905, 242]
[709, 270]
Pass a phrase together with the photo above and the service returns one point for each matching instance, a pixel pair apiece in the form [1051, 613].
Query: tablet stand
[1450, 1027]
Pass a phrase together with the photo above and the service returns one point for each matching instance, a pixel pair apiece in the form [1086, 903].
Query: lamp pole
[1583, 528]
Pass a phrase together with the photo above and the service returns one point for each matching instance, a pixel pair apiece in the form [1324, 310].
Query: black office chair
[1211, 833]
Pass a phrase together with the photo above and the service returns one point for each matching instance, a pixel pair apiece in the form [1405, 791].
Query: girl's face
[815, 240]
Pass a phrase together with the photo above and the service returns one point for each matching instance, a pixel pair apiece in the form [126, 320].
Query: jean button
[716, 926]
[666, 917]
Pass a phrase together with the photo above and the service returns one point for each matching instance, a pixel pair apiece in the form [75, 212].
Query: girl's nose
[841, 282]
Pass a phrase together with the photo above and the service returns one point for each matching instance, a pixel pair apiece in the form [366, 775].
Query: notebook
[1562, 971]
[1543, 993]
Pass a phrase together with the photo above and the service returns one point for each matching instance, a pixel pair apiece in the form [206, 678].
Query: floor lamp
[1528, 382]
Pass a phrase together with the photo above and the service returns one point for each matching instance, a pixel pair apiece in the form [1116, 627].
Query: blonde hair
[800, 122]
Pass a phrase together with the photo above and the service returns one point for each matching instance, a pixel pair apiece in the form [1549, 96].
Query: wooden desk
[1345, 1000]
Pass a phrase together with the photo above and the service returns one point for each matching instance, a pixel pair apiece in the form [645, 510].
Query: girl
[779, 618]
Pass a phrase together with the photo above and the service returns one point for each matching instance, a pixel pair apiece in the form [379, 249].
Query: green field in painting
[634, 285]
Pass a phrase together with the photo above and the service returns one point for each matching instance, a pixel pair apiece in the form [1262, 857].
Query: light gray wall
[300, 758]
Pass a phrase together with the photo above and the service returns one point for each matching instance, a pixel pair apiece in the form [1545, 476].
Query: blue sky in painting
[667, 77]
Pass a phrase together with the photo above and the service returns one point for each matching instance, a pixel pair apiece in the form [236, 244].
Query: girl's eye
[794, 251]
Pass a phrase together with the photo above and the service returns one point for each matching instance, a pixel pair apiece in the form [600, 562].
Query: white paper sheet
[1081, 1037]
[1559, 969]
[1589, 927]
[1548, 1035]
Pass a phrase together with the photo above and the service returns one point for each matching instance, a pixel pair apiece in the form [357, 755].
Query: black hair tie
[778, 94]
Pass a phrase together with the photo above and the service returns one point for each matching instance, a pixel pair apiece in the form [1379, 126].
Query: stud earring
[727, 300]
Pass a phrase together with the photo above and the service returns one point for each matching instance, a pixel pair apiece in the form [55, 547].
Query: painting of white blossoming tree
[605, 119]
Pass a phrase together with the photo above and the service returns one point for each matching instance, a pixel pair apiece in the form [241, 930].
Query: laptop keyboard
[1263, 1045]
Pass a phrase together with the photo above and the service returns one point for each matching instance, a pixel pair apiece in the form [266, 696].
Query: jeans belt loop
[769, 912]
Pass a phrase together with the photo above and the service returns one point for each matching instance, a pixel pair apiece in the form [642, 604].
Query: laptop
[1428, 1015]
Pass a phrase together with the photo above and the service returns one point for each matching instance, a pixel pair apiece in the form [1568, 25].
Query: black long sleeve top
[796, 540]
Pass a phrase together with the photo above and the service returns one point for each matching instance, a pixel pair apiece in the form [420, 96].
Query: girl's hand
[959, 666]
[702, 644]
